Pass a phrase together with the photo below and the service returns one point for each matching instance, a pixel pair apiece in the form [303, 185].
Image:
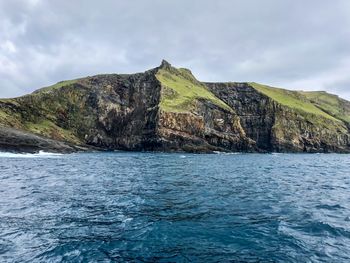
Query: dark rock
[123, 112]
[13, 140]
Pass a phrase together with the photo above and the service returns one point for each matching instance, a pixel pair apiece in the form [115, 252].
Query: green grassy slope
[59, 111]
[43, 111]
[292, 99]
[330, 103]
[56, 86]
[181, 91]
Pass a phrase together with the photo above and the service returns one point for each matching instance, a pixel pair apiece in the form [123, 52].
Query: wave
[227, 153]
[40, 154]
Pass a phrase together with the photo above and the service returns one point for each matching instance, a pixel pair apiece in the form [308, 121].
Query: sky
[292, 44]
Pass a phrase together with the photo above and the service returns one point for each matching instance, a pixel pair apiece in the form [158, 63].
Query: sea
[174, 207]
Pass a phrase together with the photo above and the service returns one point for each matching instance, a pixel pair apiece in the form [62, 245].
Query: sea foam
[41, 154]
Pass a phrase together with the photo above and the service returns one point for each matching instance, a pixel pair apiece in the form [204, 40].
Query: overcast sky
[293, 44]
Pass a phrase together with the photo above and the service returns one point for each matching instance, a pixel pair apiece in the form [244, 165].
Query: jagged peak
[182, 72]
[165, 64]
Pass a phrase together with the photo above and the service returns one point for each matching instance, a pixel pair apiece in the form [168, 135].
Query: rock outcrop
[168, 109]
[276, 127]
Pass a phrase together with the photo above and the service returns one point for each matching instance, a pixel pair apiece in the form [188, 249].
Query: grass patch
[49, 129]
[291, 99]
[181, 91]
[330, 103]
[56, 86]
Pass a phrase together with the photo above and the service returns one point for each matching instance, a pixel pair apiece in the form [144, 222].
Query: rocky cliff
[168, 109]
[284, 121]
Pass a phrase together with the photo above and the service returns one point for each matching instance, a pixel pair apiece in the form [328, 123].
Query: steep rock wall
[106, 111]
[168, 109]
[209, 129]
[255, 111]
[275, 127]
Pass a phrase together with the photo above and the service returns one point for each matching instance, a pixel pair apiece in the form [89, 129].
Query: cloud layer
[291, 44]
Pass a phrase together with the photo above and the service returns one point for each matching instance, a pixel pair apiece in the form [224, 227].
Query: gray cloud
[292, 44]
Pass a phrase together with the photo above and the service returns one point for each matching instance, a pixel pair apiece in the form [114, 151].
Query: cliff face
[277, 127]
[191, 118]
[167, 109]
[105, 111]
[255, 111]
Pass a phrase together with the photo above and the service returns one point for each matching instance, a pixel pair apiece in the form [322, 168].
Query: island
[167, 109]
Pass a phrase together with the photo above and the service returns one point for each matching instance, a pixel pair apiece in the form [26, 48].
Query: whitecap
[40, 154]
[227, 153]
[276, 154]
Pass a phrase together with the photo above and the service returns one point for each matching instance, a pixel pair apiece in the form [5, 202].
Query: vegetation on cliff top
[181, 91]
[330, 103]
[61, 110]
[56, 86]
[45, 112]
[292, 99]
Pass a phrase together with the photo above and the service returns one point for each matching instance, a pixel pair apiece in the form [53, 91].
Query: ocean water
[157, 207]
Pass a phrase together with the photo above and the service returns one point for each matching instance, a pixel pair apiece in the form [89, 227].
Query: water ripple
[144, 207]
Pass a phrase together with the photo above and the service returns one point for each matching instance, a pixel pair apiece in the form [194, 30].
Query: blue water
[146, 207]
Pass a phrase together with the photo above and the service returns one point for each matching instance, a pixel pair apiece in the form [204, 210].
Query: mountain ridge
[168, 109]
